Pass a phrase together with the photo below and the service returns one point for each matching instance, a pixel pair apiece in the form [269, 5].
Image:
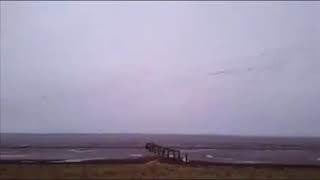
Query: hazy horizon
[224, 68]
[174, 134]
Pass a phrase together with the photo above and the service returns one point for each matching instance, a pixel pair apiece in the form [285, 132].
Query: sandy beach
[152, 169]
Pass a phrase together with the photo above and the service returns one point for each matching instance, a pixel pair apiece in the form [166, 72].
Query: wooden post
[186, 157]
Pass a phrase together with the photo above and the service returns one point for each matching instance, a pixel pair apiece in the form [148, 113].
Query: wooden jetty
[166, 153]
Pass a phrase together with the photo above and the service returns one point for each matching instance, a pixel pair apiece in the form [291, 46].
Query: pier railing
[166, 153]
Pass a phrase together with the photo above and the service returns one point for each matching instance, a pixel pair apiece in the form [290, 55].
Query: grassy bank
[151, 170]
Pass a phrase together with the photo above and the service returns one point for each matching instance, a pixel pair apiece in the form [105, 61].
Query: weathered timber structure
[166, 153]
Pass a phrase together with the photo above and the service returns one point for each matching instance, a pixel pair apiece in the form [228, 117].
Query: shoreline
[192, 163]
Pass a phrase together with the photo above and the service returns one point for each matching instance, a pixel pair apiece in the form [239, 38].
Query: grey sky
[161, 67]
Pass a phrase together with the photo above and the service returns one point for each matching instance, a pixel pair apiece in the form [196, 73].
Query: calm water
[233, 149]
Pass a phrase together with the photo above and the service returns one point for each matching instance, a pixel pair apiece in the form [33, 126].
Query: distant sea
[211, 148]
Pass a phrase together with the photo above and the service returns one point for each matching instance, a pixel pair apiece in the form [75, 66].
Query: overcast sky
[249, 68]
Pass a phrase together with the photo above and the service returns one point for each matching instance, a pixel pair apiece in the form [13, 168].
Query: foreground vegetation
[151, 170]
